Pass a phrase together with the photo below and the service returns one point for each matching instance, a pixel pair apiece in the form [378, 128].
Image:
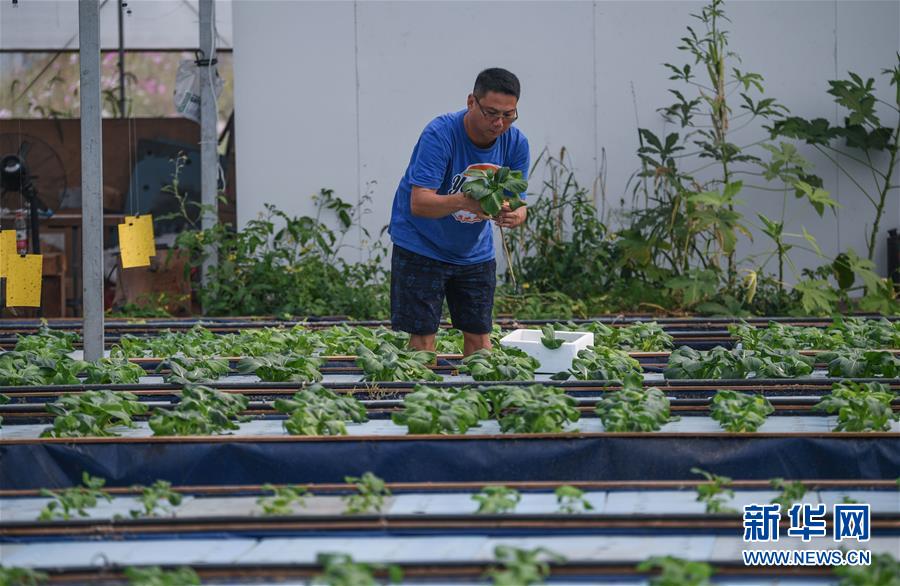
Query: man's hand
[471, 204]
[510, 218]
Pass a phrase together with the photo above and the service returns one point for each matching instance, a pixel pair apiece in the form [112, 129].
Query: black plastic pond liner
[233, 460]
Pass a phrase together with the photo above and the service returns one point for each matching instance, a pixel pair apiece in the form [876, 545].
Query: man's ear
[470, 101]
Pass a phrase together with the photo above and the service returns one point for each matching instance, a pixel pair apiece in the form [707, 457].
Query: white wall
[334, 94]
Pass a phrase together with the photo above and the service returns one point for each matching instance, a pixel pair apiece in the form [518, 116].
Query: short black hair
[497, 80]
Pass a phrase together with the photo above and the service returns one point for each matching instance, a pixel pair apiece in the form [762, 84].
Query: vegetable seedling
[493, 188]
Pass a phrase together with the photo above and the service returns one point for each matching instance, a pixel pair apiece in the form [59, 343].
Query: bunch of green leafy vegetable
[339, 569]
[739, 412]
[633, 408]
[522, 567]
[499, 364]
[855, 363]
[677, 572]
[493, 500]
[112, 371]
[721, 363]
[531, 409]
[601, 363]
[92, 413]
[715, 492]
[636, 337]
[66, 503]
[282, 500]
[201, 411]
[316, 410]
[184, 370]
[390, 363]
[369, 496]
[860, 406]
[18, 368]
[282, 367]
[429, 410]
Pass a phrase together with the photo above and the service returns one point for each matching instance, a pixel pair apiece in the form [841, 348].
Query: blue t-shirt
[444, 152]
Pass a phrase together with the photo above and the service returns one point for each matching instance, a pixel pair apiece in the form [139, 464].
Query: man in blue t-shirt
[443, 242]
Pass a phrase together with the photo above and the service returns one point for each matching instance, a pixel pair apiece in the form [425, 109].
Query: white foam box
[552, 361]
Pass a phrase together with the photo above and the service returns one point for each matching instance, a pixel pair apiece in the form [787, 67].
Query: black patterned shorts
[419, 285]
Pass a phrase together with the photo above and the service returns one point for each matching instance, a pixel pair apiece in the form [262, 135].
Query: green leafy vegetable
[48, 340]
[282, 367]
[390, 363]
[491, 188]
[113, 371]
[157, 498]
[319, 411]
[883, 571]
[855, 363]
[499, 364]
[601, 363]
[341, 570]
[370, 494]
[201, 411]
[715, 492]
[32, 368]
[429, 410]
[283, 500]
[186, 370]
[156, 576]
[522, 567]
[549, 339]
[740, 412]
[860, 406]
[677, 572]
[74, 500]
[634, 408]
[720, 363]
[791, 492]
[12, 576]
[571, 500]
[531, 409]
[637, 337]
[493, 500]
[92, 413]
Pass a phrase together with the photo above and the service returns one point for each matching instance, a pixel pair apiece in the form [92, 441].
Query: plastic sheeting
[224, 461]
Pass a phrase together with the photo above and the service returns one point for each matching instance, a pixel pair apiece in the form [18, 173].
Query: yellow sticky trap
[131, 247]
[7, 249]
[144, 227]
[23, 280]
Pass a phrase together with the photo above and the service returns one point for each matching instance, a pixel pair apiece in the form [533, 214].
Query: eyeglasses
[494, 115]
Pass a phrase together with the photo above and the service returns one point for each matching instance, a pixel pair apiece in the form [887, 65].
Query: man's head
[492, 105]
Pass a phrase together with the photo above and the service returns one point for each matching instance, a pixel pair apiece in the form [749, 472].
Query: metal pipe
[209, 158]
[121, 59]
[91, 178]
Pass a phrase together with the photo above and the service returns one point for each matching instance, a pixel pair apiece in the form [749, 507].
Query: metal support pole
[209, 158]
[121, 7]
[91, 178]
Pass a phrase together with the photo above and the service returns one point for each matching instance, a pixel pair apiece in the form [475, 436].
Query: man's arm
[426, 203]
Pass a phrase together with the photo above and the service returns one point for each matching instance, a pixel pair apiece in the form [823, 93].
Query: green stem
[509, 266]
[847, 173]
[879, 208]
